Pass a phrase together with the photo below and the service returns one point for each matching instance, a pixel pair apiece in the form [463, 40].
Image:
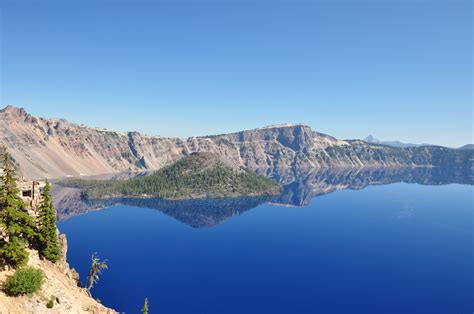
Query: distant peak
[371, 139]
[10, 108]
[468, 146]
[14, 110]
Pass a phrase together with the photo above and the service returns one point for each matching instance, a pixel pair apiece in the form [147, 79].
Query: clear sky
[395, 69]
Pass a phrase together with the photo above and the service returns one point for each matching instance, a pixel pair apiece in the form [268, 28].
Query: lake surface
[395, 248]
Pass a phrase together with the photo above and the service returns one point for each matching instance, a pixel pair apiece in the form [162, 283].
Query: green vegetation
[26, 280]
[53, 299]
[14, 252]
[197, 175]
[145, 306]
[48, 234]
[18, 224]
[21, 229]
[96, 270]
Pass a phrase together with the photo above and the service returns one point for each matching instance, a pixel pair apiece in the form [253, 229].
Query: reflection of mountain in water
[201, 212]
[298, 190]
[196, 213]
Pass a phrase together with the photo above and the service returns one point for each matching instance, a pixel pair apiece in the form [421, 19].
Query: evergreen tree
[48, 234]
[145, 306]
[195, 175]
[13, 252]
[18, 224]
[96, 270]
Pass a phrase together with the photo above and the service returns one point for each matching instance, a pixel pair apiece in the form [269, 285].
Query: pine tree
[48, 234]
[18, 224]
[96, 270]
[14, 253]
[145, 306]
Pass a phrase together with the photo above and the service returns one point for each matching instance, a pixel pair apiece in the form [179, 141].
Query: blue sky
[395, 69]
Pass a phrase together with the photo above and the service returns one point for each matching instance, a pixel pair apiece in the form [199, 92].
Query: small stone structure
[30, 192]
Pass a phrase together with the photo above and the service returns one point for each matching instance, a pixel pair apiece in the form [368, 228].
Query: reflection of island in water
[298, 190]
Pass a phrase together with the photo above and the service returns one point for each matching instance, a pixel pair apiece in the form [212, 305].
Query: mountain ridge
[372, 140]
[467, 146]
[56, 148]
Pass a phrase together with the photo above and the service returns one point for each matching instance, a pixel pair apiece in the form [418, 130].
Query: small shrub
[26, 280]
[50, 304]
[51, 301]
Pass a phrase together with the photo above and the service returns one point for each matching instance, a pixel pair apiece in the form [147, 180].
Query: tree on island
[48, 234]
[18, 224]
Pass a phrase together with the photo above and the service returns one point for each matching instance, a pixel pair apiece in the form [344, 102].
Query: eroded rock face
[59, 281]
[57, 148]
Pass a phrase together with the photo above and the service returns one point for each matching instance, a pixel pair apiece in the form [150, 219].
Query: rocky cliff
[60, 281]
[57, 148]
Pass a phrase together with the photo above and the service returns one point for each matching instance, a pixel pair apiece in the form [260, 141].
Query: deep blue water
[398, 248]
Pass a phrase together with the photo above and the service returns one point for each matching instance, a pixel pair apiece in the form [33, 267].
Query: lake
[352, 245]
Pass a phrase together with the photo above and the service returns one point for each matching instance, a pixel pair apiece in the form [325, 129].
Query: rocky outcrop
[60, 281]
[57, 148]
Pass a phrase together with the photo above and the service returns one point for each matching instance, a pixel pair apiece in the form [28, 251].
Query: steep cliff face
[60, 281]
[57, 148]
